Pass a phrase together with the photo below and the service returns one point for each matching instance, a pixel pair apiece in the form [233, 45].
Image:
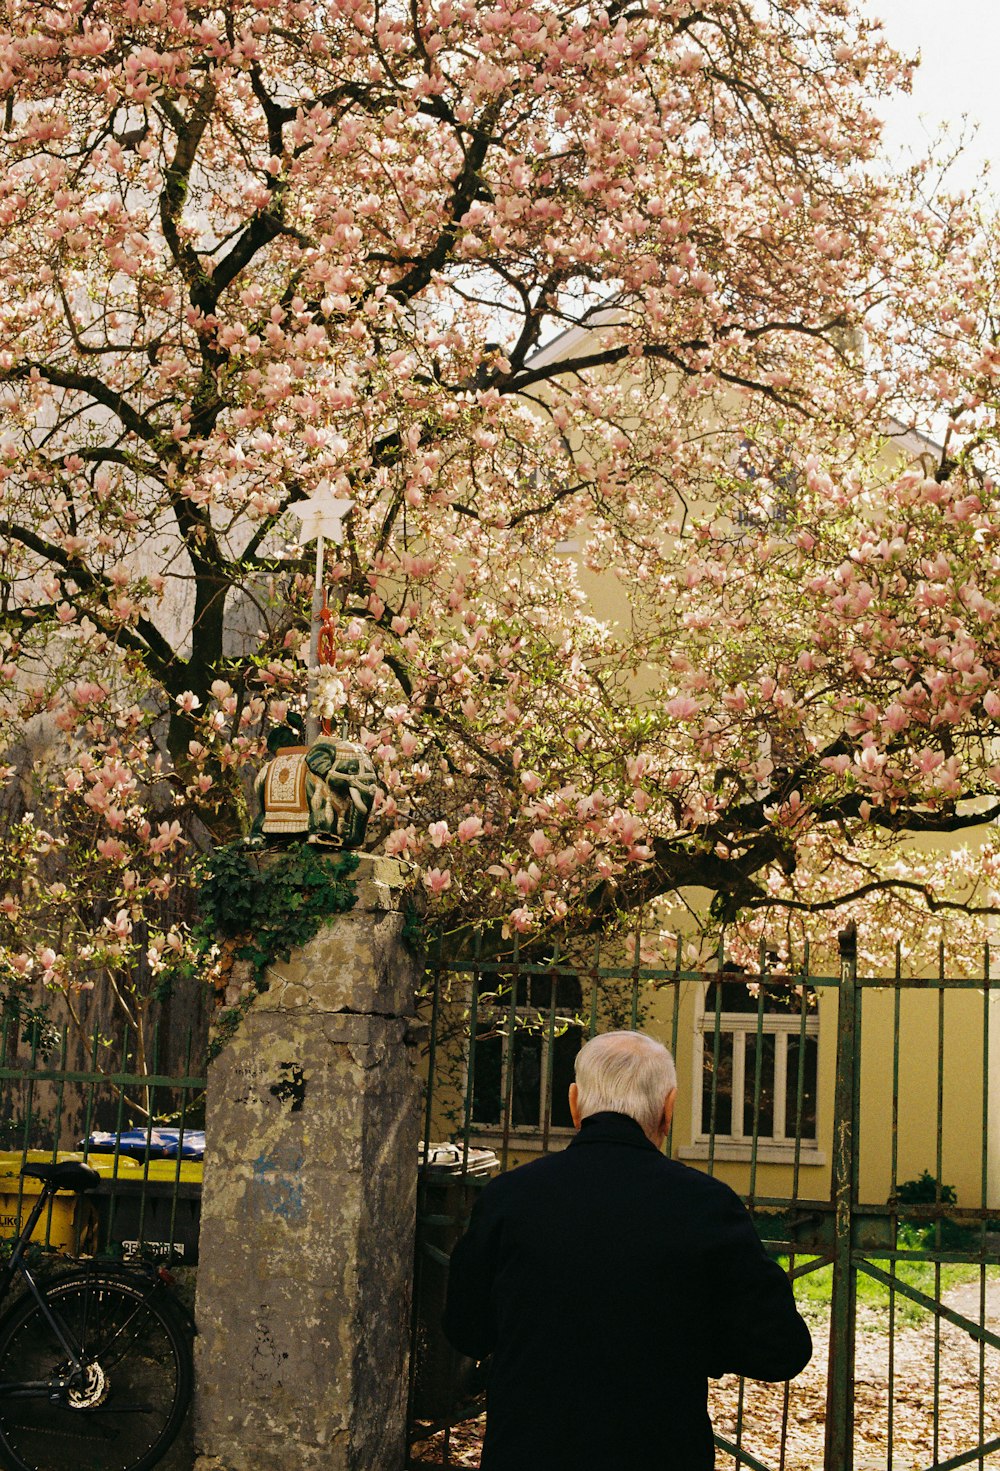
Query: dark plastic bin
[138, 1216]
[443, 1380]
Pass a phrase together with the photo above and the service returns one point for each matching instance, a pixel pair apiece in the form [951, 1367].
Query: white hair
[625, 1072]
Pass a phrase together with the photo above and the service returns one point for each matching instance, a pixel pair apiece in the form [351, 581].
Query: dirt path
[799, 1447]
[916, 1349]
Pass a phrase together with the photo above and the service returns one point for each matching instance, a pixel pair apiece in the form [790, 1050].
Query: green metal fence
[59, 1087]
[857, 1115]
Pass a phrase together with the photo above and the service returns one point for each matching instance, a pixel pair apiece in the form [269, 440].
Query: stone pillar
[308, 1210]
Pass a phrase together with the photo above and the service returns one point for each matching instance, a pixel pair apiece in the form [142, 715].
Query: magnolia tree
[249, 249]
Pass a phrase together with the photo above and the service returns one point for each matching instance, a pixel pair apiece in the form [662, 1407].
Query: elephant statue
[325, 791]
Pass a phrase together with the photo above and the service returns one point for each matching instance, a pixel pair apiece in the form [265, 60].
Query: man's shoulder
[701, 1189]
[551, 1169]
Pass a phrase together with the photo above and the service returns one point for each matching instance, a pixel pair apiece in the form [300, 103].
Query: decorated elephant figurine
[325, 790]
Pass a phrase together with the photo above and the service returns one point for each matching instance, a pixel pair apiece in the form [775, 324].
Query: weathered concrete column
[309, 1203]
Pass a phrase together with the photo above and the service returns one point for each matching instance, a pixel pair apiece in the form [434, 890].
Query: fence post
[309, 1204]
[839, 1455]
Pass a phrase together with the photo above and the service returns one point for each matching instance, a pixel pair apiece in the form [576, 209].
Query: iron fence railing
[857, 1115]
[58, 1091]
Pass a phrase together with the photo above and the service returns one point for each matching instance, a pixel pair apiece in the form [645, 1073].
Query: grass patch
[812, 1291]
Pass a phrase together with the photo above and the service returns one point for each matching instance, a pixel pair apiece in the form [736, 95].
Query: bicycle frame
[16, 1266]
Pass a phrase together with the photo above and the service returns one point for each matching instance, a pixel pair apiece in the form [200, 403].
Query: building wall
[947, 1067]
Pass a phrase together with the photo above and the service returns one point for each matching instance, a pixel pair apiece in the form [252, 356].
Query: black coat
[608, 1282]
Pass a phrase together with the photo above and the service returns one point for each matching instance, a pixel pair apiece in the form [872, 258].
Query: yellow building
[926, 1051]
[757, 1066]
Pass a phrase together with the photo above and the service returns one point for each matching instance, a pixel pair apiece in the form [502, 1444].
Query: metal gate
[841, 1106]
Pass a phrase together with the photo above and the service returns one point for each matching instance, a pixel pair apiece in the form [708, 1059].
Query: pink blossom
[111, 849]
[682, 707]
[628, 828]
[438, 880]
[87, 693]
[927, 760]
[121, 925]
[837, 765]
[469, 828]
[526, 880]
[167, 836]
[896, 718]
[123, 609]
[439, 834]
[187, 702]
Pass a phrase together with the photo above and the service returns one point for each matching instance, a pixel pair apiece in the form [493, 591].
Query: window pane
[564, 1050]
[765, 1119]
[526, 1104]
[540, 991]
[809, 1057]
[723, 1081]
[486, 1095]
[569, 995]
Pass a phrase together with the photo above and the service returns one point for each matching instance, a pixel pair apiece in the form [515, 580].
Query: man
[608, 1282]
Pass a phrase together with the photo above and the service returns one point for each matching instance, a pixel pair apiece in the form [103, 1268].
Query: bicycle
[96, 1368]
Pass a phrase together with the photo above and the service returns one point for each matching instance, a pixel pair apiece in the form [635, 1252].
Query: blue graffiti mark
[293, 1205]
[277, 1187]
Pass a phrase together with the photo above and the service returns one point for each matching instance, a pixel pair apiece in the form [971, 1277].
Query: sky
[959, 41]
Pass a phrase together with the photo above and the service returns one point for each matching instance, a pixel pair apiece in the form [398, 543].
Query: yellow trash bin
[70, 1223]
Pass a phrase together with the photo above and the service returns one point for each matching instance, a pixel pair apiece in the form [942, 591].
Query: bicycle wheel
[137, 1387]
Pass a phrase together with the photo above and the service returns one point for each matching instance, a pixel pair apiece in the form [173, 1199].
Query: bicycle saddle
[68, 1174]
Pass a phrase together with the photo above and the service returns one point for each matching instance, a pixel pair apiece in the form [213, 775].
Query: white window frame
[778, 1147]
